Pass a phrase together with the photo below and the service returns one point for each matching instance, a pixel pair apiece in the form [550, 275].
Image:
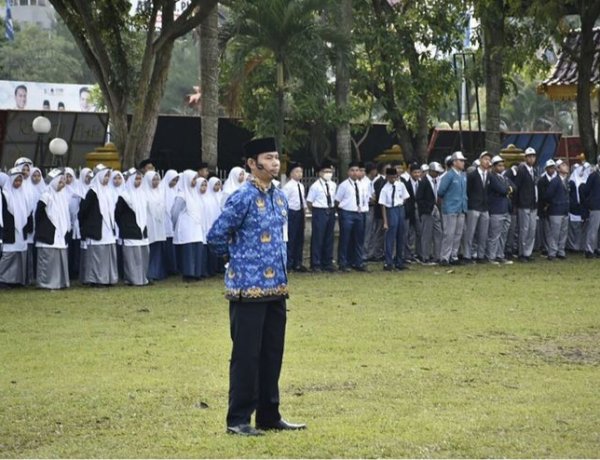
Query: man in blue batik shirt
[249, 232]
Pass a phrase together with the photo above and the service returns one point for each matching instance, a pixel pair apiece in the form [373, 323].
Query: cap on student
[458, 156]
[146, 162]
[497, 159]
[476, 162]
[435, 166]
[550, 164]
[293, 166]
[130, 172]
[255, 147]
[53, 174]
[99, 167]
[448, 160]
[414, 166]
[324, 165]
[559, 162]
[15, 171]
[354, 164]
[530, 151]
[23, 161]
[424, 167]
[485, 153]
[391, 172]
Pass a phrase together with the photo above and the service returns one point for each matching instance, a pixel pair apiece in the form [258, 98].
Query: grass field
[478, 361]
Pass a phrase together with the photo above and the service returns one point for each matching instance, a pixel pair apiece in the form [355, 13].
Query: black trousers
[258, 335]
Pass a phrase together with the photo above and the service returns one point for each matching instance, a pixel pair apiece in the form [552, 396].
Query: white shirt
[290, 189]
[317, 193]
[346, 196]
[400, 194]
[365, 193]
[435, 183]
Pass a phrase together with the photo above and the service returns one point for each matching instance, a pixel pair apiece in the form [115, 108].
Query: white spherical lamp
[41, 125]
[58, 146]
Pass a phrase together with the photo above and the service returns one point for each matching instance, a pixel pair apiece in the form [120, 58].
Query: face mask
[327, 176]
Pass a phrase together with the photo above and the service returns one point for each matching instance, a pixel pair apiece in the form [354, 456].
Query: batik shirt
[250, 232]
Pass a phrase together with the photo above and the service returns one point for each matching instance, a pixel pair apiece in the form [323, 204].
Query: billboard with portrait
[28, 95]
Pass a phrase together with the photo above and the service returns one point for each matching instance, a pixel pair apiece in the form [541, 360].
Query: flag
[10, 31]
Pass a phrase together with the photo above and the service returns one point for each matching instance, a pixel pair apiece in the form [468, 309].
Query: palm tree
[287, 32]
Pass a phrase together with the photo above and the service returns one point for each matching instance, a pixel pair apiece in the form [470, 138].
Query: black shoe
[301, 269]
[589, 255]
[315, 270]
[523, 259]
[444, 263]
[402, 267]
[361, 268]
[282, 425]
[330, 269]
[482, 260]
[466, 261]
[345, 269]
[551, 258]
[530, 259]
[388, 268]
[456, 262]
[244, 430]
[561, 257]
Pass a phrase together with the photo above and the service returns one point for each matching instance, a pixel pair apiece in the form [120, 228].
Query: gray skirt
[101, 264]
[13, 268]
[135, 265]
[52, 268]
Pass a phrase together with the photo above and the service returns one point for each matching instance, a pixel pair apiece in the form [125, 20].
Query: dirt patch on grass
[581, 349]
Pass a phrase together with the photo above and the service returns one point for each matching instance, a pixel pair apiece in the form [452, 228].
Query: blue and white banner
[9, 33]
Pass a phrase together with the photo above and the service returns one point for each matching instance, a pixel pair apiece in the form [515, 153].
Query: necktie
[435, 188]
[393, 194]
[328, 195]
[483, 178]
[301, 197]
[357, 196]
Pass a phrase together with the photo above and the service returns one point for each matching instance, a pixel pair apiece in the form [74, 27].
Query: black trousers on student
[258, 335]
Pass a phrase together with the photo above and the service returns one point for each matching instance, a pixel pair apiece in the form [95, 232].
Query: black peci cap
[255, 147]
[293, 166]
[391, 172]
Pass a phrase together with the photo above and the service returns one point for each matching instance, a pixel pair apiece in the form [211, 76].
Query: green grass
[478, 361]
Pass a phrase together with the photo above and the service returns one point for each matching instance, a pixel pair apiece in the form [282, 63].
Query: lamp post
[41, 126]
[58, 147]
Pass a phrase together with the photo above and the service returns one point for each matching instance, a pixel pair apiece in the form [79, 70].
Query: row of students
[107, 226]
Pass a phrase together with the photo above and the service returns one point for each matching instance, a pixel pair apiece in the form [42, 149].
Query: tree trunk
[280, 122]
[584, 67]
[493, 46]
[342, 87]
[209, 58]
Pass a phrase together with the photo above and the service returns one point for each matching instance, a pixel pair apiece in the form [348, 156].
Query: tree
[41, 55]
[131, 78]
[281, 44]
[403, 62]
[209, 86]
[342, 84]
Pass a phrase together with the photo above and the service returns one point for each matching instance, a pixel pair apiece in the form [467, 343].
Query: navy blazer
[557, 196]
[591, 192]
[525, 196]
[425, 197]
[477, 198]
[498, 192]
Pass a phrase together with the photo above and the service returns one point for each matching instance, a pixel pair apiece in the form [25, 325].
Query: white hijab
[35, 190]
[169, 192]
[232, 183]
[105, 199]
[204, 202]
[190, 195]
[213, 207]
[57, 206]
[135, 197]
[82, 187]
[18, 201]
[114, 190]
[154, 196]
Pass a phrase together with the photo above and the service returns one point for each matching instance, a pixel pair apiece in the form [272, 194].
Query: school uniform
[526, 202]
[591, 199]
[431, 219]
[156, 227]
[321, 196]
[392, 197]
[557, 196]
[17, 224]
[374, 249]
[97, 224]
[543, 226]
[189, 237]
[453, 191]
[52, 225]
[294, 192]
[35, 191]
[498, 192]
[575, 237]
[212, 211]
[477, 220]
[412, 224]
[169, 194]
[352, 224]
[512, 238]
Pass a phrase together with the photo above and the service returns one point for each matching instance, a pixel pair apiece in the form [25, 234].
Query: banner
[27, 95]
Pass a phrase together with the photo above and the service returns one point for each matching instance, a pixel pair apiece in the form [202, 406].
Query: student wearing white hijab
[131, 215]
[202, 186]
[189, 234]
[17, 223]
[213, 209]
[83, 185]
[235, 180]
[157, 235]
[52, 225]
[169, 189]
[117, 187]
[35, 186]
[97, 224]
[74, 237]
